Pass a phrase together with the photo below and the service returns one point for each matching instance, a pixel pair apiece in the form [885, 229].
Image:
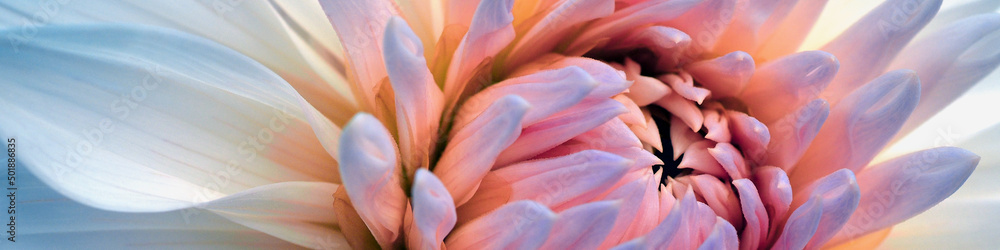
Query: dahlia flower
[590, 124]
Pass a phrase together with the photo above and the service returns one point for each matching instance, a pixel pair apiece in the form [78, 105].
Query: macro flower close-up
[501, 124]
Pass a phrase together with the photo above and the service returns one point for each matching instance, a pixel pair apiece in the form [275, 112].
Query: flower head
[551, 124]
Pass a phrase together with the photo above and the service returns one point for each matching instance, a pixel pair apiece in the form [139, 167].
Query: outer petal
[298, 212]
[898, 189]
[47, 219]
[977, 201]
[153, 120]
[949, 63]
[866, 48]
[279, 34]
[861, 125]
[368, 155]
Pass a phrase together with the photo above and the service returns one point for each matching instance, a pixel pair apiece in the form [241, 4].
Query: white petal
[47, 219]
[299, 212]
[165, 122]
[281, 35]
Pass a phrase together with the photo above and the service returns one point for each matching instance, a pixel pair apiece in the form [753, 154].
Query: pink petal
[752, 136]
[612, 81]
[374, 184]
[419, 102]
[718, 196]
[517, 225]
[634, 116]
[548, 92]
[556, 26]
[901, 188]
[776, 194]
[697, 157]
[433, 212]
[549, 133]
[731, 160]
[623, 20]
[683, 109]
[648, 207]
[473, 149]
[723, 236]
[839, 194]
[666, 43]
[755, 232]
[793, 134]
[725, 76]
[632, 195]
[671, 231]
[801, 225]
[681, 137]
[860, 126]
[648, 132]
[867, 47]
[489, 32]
[717, 126]
[350, 223]
[583, 226]
[667, 201]
[613, 134]
[789, 33]
[949, 64]
[704, 23]
[744, 32]
[558, 183]
[360, 25]
[683, 85]
[460, 11]
[646, 90]
[780, 87]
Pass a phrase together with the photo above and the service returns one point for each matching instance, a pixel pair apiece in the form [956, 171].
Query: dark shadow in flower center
[662, 118]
